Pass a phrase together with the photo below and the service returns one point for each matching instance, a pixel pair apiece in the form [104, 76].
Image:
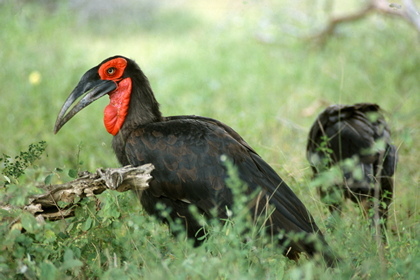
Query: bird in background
[357, 140]
[189, 154]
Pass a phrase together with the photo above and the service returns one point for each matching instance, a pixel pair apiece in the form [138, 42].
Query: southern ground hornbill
[360, 134]
[188, 152]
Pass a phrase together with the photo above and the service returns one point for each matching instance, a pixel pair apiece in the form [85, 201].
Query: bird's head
[110, 77]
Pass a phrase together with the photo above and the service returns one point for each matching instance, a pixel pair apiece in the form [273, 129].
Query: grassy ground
[244, 63]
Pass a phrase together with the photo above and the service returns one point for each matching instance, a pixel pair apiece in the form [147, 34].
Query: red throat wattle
[116, 111]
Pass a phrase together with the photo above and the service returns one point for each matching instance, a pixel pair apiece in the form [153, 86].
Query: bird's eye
[111, 71]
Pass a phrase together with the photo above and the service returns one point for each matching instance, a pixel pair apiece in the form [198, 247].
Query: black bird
[188, 153]
[354, 132]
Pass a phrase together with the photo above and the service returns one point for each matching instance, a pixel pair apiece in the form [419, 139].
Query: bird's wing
[258, 173]
[186, 152]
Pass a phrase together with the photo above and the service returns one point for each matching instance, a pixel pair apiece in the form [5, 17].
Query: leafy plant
[12, 170]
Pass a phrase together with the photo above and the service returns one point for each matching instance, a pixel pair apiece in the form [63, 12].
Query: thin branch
[332, 24]
[407, 11]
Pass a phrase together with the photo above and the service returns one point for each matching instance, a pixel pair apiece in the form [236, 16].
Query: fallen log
[60, 201]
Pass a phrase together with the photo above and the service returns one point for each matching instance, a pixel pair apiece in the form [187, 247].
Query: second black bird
[358, 133]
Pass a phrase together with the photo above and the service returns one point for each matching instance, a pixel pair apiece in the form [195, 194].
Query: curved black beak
[92, 87]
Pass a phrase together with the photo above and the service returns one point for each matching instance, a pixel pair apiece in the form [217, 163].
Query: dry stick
[47, 206]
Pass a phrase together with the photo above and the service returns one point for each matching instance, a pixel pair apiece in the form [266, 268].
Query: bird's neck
[143, 109]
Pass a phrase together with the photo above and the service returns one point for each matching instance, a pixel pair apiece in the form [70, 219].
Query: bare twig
[407, 11]
[60, 201]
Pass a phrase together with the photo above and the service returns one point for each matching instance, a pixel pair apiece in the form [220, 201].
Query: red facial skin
[116, 111]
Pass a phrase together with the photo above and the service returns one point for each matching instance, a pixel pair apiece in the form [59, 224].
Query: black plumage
[188, 153]
[360, 133]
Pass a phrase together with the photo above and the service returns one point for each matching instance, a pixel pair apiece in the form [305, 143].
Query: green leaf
[73, 173]
[47, 180]
[69, 261]
[64, 235]
[63, 204]
[87, 224]
[49, 235]
[48, 271]
[29, 222]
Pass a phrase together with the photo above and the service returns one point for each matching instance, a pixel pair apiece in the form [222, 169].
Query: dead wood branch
[407, 11]
[60, 201]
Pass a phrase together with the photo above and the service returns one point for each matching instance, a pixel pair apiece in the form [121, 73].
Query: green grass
[205, 60]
